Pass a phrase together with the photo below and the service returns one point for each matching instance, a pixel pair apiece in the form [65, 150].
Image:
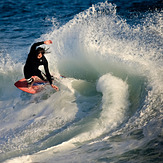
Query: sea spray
[119, 57]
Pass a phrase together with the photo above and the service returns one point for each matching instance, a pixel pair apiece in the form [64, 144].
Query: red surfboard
[38, 85]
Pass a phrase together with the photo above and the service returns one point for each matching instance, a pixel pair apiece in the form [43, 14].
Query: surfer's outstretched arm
[34, 46]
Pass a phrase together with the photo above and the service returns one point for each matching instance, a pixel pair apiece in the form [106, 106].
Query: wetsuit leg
[41, 75]
[28, 75]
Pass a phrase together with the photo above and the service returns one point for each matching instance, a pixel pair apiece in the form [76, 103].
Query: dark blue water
[23, 21]
[109, 108]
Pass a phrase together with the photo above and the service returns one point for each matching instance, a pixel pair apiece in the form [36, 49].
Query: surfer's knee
[30, 81]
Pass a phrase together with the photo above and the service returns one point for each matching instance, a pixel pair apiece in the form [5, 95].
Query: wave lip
[114, 101]
[112, 110]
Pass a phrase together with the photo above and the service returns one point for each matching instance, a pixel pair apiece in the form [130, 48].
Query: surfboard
[38, 85]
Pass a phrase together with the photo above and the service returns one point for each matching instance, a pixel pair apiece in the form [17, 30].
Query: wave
[113, 90]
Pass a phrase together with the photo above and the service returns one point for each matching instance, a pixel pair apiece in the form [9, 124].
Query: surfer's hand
[55, 87]
[48, 42]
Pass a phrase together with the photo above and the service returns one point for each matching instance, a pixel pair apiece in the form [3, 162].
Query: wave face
[109, 107]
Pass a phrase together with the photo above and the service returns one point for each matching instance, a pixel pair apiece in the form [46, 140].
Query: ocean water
[109, 107]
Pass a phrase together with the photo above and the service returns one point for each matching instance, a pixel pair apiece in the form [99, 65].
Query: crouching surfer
[34, 60]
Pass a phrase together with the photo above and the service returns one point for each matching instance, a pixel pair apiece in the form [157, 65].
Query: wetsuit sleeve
[33, 47]
[47, 71]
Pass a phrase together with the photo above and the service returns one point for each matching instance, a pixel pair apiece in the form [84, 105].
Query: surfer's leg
[30, 82]
[28, 77]
[42, 76]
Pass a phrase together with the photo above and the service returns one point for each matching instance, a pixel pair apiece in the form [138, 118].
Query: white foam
[115, 99]
[87, 45]
[113, 107]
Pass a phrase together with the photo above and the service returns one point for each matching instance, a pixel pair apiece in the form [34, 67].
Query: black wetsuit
[32, 64]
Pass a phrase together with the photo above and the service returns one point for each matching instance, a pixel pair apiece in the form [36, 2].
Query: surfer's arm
[47, 70]
[49, 76]
[33, 47]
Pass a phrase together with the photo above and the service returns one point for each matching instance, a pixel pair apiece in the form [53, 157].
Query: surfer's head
[40, 52]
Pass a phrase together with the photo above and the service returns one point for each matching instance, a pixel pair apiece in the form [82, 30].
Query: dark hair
[40, 50]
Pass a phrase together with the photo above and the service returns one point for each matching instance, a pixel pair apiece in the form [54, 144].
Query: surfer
[34, 60]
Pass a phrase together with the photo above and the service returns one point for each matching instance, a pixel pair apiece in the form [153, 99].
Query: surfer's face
[39, 56]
